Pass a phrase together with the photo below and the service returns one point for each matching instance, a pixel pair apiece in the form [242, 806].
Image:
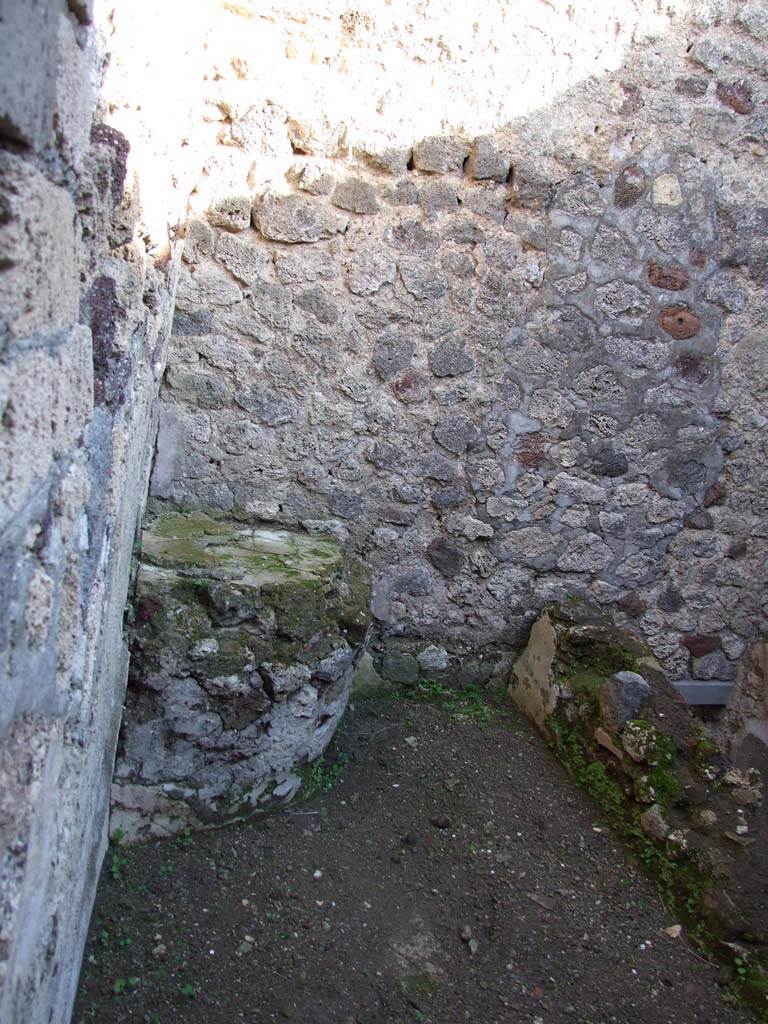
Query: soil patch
[452, 872]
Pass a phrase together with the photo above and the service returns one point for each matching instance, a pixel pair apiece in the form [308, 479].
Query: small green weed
[185, 839]
[118, 861]
[465, 705]
[324, 776]
[117, 865]
[419, 985]
[188, 990]
[125, 985]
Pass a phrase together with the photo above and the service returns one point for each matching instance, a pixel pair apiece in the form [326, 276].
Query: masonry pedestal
[243, 649]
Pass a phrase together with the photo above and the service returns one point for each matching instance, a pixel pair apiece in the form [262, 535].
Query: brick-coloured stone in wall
[679, 322]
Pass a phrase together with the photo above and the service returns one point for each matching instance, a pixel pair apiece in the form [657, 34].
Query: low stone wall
[243, 650]
[695, 819]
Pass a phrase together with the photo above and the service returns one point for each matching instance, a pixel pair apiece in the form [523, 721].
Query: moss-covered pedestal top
[194, 543]
[286, 595]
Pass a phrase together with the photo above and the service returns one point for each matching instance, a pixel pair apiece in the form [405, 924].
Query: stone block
[318, 303]
[269, 405]
[450, 359]
[587, 554]
[487, 162]
[438, 197]
[421, 279]
[206, 285]
[608, 462]
[28, 76]
[314, 178]
[233, 213]
[440, 155]
[46, 398]
[446, 557]
[624, 301]
[355, 195]
[580, 196]
[296, 219]
[754, 18]
[39, 279]
[369, 271]
[629, 186]
[411, 387]
[433, 659]
[457, 433]
[393, 159]
[75, 97]
[666, 191]
[199, 241]
[621, 696]
[242, 255]
[532, 688]
[391, 355]
[613, 249]
[398, 667]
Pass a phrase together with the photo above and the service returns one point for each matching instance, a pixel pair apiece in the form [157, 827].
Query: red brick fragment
[680, 323]
[715, 495]
[699, 644]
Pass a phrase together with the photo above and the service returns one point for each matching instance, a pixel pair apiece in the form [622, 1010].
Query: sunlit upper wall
[380, 72]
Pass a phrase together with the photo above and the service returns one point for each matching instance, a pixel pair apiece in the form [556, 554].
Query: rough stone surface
[232, 213]
[440, 155]
[532, 687]
[296, 219]
[462, 391]
[621, 697]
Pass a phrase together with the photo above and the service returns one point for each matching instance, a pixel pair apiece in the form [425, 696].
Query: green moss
[751, 984]
[705, 754]
[300, 608]
[467, 704]
[664, 785]
[681, 882]
[419, 985]
[319, 776]
[177, 540]
[356, 598]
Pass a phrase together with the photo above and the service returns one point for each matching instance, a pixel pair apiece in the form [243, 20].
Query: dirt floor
[450, 872]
